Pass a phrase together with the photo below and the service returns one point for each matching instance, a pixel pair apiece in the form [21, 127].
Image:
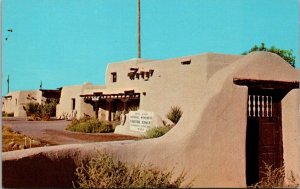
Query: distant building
[72, 105]
[13, 103]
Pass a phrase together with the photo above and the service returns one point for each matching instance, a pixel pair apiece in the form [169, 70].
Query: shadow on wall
[44, 172]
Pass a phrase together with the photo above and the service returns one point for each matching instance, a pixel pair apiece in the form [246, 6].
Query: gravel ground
[54, 132]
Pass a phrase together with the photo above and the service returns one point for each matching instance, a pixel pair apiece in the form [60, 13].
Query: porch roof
[129, 94]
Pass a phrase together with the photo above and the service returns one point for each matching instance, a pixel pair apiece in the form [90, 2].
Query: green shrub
[49, 108]
[5, 114]
[89, 125]
[174, 114]
[33, 109]
[36, 111]
[103, 172]
[157, 131]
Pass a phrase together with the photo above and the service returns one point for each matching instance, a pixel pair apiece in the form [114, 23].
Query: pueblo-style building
[243, 108]
[152, 85]
[239, 112]
[13, 103]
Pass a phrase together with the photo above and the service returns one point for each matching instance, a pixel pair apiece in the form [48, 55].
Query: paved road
[54, 132]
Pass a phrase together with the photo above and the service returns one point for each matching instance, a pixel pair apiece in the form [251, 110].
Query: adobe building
[140, 84]
[238, 112]
[71, 105]
[14, 102]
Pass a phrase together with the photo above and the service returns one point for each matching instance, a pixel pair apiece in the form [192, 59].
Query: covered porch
[113, 102]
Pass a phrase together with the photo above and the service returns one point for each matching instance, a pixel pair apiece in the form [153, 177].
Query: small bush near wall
[275, 179]
[36, 111]
[33, 109]
[103, 172]
[157, 131]
[90, 125]
[174, 114]
[5, 114]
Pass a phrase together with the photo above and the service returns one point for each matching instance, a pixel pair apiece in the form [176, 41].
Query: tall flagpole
[7, 84]
[139, 29]
[41, 85]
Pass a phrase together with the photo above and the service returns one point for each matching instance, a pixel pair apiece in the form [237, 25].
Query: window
[73, 103]
[114, 77]
[186, 62]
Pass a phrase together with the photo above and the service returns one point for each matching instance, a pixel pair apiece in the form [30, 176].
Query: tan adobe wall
[73, 92]
[8, 104]
[65, 106]
[172, 83]
[20, 99]
[291, 132]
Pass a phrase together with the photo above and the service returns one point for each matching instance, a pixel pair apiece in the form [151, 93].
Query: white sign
[140, 121]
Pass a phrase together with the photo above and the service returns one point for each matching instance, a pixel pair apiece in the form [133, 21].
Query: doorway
[264, 133]
[264, 125]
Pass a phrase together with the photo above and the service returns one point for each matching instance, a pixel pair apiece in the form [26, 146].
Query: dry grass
[275, 178]
[12, 140]
[8, 136]
[103, 172]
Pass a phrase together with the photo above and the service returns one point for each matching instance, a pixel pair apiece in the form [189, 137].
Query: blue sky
[67, 42]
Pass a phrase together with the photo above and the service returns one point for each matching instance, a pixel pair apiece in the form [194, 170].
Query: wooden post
[139, 29]
[96, 108]
[109, 108]
[125, 104]
[95, 100]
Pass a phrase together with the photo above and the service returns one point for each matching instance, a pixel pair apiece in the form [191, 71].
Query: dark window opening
[186, 62]
[73, 103]
[114, 77]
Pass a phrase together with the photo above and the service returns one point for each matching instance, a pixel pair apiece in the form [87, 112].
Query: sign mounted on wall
[140, 121]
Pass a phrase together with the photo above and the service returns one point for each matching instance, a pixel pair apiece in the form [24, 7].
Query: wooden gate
[264, 126]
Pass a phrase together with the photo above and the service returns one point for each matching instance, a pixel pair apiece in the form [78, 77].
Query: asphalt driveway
[54, 132]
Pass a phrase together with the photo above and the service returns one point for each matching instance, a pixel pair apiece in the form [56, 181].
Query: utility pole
[9, 30]
[7, 84]
[139, 29]
[41, 85]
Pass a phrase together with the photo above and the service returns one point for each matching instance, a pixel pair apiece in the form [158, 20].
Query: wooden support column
[125, 104]
[95, 99]
[109, 108]
[96, 109]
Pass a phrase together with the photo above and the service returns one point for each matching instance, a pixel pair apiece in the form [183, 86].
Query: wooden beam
[267, 84]
[98, 93]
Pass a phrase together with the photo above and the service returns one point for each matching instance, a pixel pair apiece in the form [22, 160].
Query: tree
[287, 55]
